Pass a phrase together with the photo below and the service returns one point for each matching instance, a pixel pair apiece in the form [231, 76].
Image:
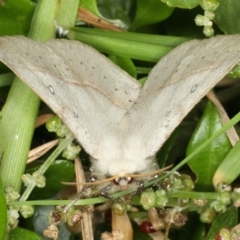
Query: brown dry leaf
[43, 119]
[157, 223]
[51, 232]
[41, 150]
[122, 223]
[94, 20]
[86, 221]
[114, 235]
[232, 134]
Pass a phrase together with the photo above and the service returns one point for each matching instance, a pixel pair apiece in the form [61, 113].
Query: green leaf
[3, 211]
[207, 161]
[15, 17]
[166, 149]
[59, 171]
[91, 5]
[223, 220]
[227, 16]
[20, 234]
[125, 63]
[149, 12]
[189, 4]
[229, 168]
[116, 11]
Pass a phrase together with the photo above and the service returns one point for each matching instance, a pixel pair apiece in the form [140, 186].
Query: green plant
[135, 52]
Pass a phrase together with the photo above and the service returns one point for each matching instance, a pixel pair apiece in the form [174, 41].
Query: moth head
[123, 182]
[128, 181]
[119, 177]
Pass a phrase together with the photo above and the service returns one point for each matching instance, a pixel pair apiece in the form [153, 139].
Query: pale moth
[120, 124]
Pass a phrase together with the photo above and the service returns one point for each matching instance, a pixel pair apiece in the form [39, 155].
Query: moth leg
[140, 187]
[83, 193]
[104, 192]
[80, 195]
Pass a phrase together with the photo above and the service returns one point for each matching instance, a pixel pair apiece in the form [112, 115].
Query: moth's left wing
[175, 85]
[84, 88]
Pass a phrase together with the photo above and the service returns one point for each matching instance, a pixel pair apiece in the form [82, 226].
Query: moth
[119, 123]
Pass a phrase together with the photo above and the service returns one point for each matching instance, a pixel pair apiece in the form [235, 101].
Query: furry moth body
[119, 123]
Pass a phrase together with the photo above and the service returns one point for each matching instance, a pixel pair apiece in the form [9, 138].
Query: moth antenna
[69, 183]
[91, 183]
[100, 181]
[149, 174]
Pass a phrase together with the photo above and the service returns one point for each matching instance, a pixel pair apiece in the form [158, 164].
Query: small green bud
[209, 5]
[13, 216]
[225, 198]
[148, 199]
[236, 198]
[224, 234]
[55, 124]
[39, 179]
[218, 206]
[28, 179]
[26, 211]
[187, 182]
[201, 20]
[119, 208]
[162, 198]
[209, 15]
[11, 194]
[208, 31]
[207, 215]
[71, 152]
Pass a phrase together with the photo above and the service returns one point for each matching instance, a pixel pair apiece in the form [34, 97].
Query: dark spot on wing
[51, 89]
[75, 114]
[194, 87]
[167, 113]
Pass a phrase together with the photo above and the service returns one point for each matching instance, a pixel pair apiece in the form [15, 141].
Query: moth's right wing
[175, 85]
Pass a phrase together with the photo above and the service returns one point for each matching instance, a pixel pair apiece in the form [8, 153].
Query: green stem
[81, 202]
[21, 108]
[194, 195]
[131, 45]
[62, 145]
[20, 111]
